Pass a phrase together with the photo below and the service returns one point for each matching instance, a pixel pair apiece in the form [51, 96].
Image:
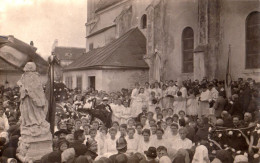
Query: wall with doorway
[115, 80]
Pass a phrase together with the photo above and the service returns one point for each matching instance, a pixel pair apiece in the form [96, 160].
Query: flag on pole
[228, 80]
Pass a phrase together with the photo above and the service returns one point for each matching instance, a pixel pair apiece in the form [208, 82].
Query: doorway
[92, 82]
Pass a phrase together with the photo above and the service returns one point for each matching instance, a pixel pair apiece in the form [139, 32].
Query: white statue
[33, 106]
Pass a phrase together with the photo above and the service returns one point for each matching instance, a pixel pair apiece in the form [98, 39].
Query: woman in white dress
[134, 93]
[204, 99]
[147, 89]
[140, 100]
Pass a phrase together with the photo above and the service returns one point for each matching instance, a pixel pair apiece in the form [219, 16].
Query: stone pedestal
[31, 152]
[33, 147]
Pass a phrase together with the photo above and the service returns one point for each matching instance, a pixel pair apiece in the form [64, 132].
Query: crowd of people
[164, 122]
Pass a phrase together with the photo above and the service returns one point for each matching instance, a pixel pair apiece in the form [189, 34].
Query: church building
[184, 39]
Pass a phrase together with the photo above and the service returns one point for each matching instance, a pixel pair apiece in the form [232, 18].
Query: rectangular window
[253, 41]
[91, 46]
[187, 50]
[68, 82]
[79, 82]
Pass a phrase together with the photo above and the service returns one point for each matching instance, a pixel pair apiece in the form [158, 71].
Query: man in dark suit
[236, 122]
[103, 112]
[144, 113]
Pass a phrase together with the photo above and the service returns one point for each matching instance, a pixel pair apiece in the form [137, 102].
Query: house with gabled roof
[116, 65]
[14, 54]
[66, 55]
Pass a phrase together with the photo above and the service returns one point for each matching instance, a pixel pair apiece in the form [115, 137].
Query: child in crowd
[132, 141]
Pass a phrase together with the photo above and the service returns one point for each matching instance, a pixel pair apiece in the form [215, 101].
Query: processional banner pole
[52, 107]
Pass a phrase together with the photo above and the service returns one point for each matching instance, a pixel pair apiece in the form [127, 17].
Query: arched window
[187, 50]
[144, 21]
[253, 40]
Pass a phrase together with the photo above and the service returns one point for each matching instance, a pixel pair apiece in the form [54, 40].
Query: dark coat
[219, 106]
[102, 112]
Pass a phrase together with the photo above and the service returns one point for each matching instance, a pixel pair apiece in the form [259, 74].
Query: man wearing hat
[121, 146]
[61, 134]
[150, 156]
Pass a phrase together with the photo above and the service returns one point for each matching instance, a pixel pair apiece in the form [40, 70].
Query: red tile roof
[125, 52]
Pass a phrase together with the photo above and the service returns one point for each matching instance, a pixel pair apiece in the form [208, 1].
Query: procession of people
[164, 122]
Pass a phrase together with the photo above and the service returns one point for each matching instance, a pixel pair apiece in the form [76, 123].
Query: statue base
[31, 152]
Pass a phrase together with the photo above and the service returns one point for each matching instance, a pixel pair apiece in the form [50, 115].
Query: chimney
[32, 46]
[31, 43]
[11, 38]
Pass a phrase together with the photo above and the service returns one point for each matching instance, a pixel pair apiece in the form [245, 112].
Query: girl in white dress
[192, 104]
[159, 140]
[164, 100]
[145, 143]
[110, 143]
[179, 103]
[204, 99]
[126, 113]
[153, 102]
[135, 93]
[158, 91]
[132, 141]
[101, 138]
[139, 101]
[147, 89]
[117, 110]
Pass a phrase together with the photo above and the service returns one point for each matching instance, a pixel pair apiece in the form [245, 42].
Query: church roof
[126, 52]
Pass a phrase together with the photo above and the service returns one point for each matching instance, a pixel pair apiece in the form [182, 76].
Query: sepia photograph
[129, 81]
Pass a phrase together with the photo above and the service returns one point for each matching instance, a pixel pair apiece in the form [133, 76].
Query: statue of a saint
[35, 130]
[33, 104]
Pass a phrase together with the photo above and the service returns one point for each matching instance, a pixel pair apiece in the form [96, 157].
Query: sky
[43, 21]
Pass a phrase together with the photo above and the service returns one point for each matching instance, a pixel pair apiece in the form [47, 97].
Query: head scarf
[241, 159]
[67, 154]
[184, 153]
[201, 155]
